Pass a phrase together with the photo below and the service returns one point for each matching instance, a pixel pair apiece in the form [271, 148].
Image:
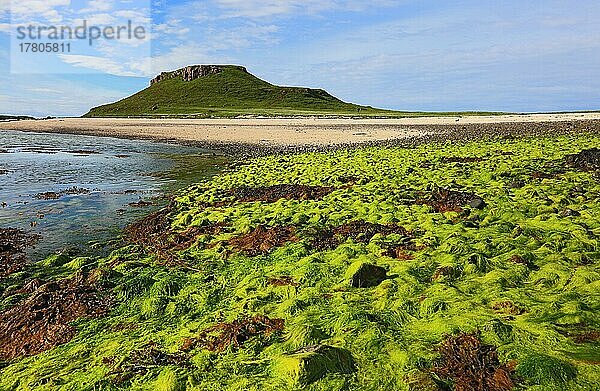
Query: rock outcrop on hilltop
[193, 72]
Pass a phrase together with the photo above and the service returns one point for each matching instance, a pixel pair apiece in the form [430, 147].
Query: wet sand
[291, 132]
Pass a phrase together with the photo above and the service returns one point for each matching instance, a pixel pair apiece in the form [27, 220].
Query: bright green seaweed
[390, 330]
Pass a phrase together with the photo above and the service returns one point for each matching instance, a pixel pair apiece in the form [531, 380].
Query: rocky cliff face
[193, 72]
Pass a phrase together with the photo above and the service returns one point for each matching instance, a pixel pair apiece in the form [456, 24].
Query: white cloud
[46, 9]
[97, 63]
[257, 9]
[171, 27]
[103, 55]
[243, 36]
[268, 8]
[98, 20]
[45, 90]
[181, 56]
[4, 8]
[139, 17]
[98, 6]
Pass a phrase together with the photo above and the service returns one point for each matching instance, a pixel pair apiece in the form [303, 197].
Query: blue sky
[406, 55]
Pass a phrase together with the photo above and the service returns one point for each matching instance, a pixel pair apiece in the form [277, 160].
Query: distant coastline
[5, 118]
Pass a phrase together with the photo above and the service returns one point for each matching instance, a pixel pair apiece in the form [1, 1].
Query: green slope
[231, 92]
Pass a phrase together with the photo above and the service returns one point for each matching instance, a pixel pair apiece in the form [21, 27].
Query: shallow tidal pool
[73, 189]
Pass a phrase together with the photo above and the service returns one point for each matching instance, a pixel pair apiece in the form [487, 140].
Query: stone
[570, 213]
[477, 203]
[309, 364]
[193, 72]
[516, 184]
[366, 275]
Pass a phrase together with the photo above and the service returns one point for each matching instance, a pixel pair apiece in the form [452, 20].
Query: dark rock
[570, 213]
[578, 189]
[470, 224]
[586, 160]
[477, 203]
[366, 275]
[516, 184]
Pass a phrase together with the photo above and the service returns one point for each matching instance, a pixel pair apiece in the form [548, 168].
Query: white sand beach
[273, 131]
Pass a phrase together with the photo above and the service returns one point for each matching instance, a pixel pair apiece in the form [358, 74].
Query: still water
[74, 189]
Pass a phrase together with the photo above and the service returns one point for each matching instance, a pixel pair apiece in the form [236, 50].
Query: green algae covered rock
[169, 380]
[311, 363]
[543, 369]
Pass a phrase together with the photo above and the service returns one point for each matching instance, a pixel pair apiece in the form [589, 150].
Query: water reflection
[74, 189]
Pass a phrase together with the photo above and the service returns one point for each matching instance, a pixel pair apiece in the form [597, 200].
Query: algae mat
[441, 267]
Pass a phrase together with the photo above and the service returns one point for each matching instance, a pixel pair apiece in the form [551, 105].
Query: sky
[514, 56]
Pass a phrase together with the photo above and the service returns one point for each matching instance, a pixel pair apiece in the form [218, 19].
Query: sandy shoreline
[292, 133]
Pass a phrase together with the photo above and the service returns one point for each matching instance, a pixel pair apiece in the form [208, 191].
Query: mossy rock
[365, 275]
[541, 369]
[311, 363]
[503, 331]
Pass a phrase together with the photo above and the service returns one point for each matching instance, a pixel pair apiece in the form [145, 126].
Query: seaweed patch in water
[13, 243]
[82, 152]
[140, 204]
[52, 195]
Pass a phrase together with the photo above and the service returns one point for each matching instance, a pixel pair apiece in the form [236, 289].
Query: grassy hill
[231, 92]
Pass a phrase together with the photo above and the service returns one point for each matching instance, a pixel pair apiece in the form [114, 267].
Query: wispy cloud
[39, 9]
[45, 90]
[180, 56]
[270, 8]
[56, 96]
[98, 6]
[101, 64]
